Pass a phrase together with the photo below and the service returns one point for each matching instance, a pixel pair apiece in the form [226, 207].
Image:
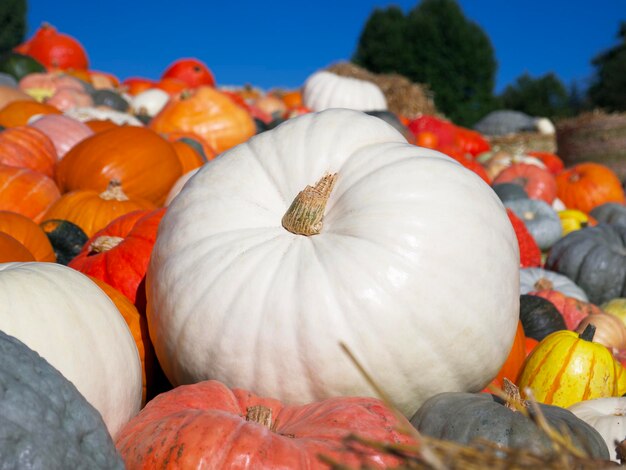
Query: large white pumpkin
[415, 269]
[66, 318]
[324, 90]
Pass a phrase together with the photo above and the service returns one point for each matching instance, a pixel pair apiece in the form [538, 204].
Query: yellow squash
[573, 219]
[566, 368]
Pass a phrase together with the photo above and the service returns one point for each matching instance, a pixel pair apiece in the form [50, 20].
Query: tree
[12, 23]
[437, 45]
[543, 96]
[608, 90]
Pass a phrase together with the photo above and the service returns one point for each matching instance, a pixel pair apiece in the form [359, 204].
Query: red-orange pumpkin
[207, 425]
[26, 192]
[92, 211]
[55, 50]
[141, 160]
[27, 147]
[192, 72]
[515, 360]
[119, 253]
[538, 182]
[29, 234]
[12, 250]
[210, 114]
[588, 185]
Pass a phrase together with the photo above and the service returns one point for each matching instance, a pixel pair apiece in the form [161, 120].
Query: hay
[594, 137]
[403, 96]
[523, 142]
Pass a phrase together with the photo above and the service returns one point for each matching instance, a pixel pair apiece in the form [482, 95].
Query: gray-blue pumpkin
[541, 220]
[536, 279]
[610, 213]
[45, 423]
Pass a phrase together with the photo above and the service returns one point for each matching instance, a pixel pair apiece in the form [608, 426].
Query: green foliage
[609, 88]
[543, 96]
[12, 23]
[437, 45]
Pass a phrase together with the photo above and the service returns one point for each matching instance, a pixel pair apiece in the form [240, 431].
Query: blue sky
[279, 43]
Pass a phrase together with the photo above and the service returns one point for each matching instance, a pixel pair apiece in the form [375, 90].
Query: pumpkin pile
[216, 275]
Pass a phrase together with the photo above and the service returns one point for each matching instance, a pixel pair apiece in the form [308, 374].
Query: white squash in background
[324, 90]
[149, 102]
[72, 323]
[103, 114]
[607, 416]
[536, 279]
[234, 296]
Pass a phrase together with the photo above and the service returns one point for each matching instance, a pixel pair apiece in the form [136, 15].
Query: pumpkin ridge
[557, 378]
[539, 366]
[587, 391]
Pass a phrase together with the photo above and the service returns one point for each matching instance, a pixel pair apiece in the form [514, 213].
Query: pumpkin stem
[513, 398]
[588, 333]
[544, 284]
[260, 414]
[306, 213]
[104, 243]
[114, 192]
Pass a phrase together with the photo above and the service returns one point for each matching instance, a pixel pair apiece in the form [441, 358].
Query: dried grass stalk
[524, 142]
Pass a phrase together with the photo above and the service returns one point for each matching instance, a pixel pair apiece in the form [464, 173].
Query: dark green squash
[197, 146]
[110, 99]
[67, 239]
[392, 118]
[45, 423]
[595, 259]
[539, 317]
[465, 417]
[19, 65]
[610, 213]
[8, 80]
[509, 191]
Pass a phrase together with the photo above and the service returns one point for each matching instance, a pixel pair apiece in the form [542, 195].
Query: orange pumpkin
[29, 234]
[55, 50]
[192, 151]
[26, 192]
[141, 160]
[12, 250]
[92, 211]
[9, 95]
[292, 99]
[172, 86]
[135, 85]
[515, 360]
[208, 113]
[588, 185]
[27, 147]
[138, 328]
[19, 112]
[192, 72]
[98, 125]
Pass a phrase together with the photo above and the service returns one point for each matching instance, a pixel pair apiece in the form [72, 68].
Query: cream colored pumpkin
[324, 90]
[234, 296]
[607, 416]
[149, 102]
[70, 322]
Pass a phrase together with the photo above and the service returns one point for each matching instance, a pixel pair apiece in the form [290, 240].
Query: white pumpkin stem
[260, 414]
[306, 214]
[114, 192]
[104, 243]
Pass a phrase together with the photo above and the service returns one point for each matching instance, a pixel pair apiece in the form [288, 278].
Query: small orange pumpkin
[141, 160]
[588, 185]
[208, 113]
[12, 250]
[29, 234]
[19, 112]
[26, 192]
[92, 211]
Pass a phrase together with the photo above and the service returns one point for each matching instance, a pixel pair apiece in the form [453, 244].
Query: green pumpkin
[465, 417]
[45, 423]
[110, 99]
[539, 317]
[610, 213]
[595, 259]
[67, 239]
[19, 65]
[509, 191]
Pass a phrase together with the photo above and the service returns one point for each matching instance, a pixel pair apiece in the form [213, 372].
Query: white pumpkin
[72, 323]
[103, 114]
[607, 416]
[149, 102]
[234, 296]
[324, 90]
